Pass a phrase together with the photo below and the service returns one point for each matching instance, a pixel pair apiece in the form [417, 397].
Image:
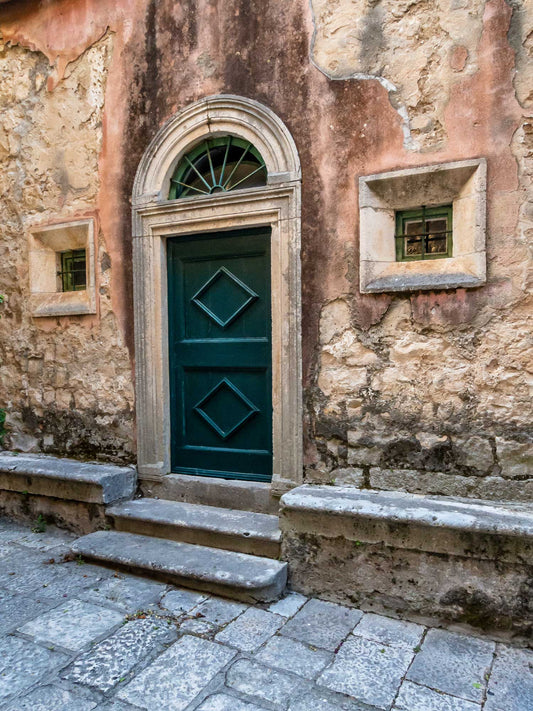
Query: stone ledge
[66, 478]
[482, 516]
[441, 558]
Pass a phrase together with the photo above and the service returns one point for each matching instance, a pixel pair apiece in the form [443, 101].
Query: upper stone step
[211, 491]
[234, 575]
[242, 531]
[66, 478]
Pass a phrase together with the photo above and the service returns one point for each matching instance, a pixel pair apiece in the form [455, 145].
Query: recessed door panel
[220, 354]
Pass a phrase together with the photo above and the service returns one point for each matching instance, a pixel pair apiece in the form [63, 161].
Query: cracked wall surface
[425, 392]
[65, 382]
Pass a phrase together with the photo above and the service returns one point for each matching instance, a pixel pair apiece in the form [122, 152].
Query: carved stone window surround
[461, 183]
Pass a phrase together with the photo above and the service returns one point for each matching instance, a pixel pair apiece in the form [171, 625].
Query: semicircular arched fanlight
[218, 165]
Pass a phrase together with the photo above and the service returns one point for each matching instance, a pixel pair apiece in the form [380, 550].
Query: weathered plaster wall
[426, 392]
[65, 383]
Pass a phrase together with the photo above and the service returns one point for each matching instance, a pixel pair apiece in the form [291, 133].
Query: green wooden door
[220, 354]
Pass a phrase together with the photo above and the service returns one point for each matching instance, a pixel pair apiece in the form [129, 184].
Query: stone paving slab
[52, 698]
[200, 628]
[322, 624]
[413, 697]
[116, 705]
[22, 663]
[252, 629]
[26, 573]
[72, 625]
[128, 594]
[454, 664]
[385, 630]
[511, 681]
[321, 700]
[219, 611]
[178, 675]
[224, 702]
[16, 609]
[360, 663]
[288, 605]
[262, 683]
[293, 656]
[179, 602]
[110, 661]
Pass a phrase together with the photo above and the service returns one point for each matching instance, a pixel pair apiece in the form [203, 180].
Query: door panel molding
[278, 206]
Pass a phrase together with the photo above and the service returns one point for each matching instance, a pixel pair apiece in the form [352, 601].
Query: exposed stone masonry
[65, 383]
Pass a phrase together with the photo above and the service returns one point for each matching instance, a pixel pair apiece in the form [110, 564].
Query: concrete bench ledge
[66, 478]
[435, 511]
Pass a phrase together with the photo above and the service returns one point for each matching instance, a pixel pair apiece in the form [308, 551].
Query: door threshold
[239, 494]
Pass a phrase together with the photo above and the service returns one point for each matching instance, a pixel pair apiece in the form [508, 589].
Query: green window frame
[424, 233]
[72, 273]
[218, 165]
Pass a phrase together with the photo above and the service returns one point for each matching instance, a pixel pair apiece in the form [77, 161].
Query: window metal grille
[72, 274]
[424, 233]
[218, 165]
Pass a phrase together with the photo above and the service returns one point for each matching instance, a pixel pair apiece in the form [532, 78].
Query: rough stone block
[322, 624]
[515, 458]
[475, 452]
[177, 675]
[350, 476]
[454, 664]
[250, 630]
[360, 663]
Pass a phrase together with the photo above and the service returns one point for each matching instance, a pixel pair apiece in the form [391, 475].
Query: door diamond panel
[224, 297]
[225, 408]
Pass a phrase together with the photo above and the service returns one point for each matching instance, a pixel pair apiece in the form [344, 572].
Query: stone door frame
[278, 206]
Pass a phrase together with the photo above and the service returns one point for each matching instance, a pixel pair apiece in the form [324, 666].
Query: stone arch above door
[155, 218]
[216, 115]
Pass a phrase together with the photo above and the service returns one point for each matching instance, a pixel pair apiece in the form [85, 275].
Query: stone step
[210, 491]
[235, 575]
[229, 529]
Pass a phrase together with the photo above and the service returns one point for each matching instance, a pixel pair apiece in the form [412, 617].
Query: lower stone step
[242, 531]
[235, 575]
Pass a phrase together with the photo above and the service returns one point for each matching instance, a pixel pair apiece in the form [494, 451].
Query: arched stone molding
[216, 116]
[155, 218]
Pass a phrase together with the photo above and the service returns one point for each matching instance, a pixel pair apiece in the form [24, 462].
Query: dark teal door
[220, 354]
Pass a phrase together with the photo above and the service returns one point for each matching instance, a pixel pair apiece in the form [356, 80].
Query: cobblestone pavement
[76, 637]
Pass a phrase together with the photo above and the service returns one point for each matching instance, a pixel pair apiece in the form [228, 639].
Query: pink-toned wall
[165, 55]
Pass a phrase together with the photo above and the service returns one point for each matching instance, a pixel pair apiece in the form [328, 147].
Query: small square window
[72, 273]
[405, 246]
[424, 233]
[62, 269]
